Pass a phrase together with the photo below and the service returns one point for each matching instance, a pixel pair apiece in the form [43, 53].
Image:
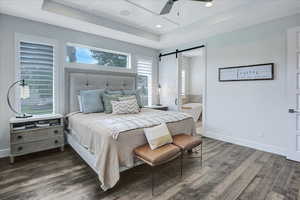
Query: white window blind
[183, 82]
[37, 69]
[144, 71]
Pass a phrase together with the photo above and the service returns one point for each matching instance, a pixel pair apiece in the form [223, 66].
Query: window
[94, 56]
[144, 71]
[183, 82]
[37, 69]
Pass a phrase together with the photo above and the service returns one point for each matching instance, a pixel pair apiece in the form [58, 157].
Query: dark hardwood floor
[229, 172]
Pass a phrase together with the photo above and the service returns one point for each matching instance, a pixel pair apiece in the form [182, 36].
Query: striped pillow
[125, 107]
[158, 136]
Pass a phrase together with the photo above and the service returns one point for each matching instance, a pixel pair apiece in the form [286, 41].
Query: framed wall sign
[247, 73]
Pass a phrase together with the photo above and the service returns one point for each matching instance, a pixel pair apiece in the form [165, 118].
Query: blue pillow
[137, 95]
[91, 101]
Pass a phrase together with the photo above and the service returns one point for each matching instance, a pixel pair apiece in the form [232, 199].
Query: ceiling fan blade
[167, 8]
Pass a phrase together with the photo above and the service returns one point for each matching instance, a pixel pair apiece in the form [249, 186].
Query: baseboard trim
[247, 143]
[4, 153]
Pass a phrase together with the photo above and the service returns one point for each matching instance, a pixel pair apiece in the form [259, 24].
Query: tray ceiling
[137, 21]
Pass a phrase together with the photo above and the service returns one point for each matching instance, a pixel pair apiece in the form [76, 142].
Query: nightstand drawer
[20, 149]
[36, 135]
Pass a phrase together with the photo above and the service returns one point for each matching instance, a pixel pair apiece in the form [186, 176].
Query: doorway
[192, 85]
[182, 78]
[293, 94]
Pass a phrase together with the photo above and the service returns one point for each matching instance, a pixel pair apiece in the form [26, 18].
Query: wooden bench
[187, 143]
[168, 152]
[157, 156]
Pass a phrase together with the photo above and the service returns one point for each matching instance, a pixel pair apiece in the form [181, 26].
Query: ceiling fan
[167, 8]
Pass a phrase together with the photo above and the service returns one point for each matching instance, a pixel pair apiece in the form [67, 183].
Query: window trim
[101, 67]
[19, 37]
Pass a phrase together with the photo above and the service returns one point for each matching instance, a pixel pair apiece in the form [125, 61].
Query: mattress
[113, 154]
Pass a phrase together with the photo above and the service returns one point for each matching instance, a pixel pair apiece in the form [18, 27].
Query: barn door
[169, 68]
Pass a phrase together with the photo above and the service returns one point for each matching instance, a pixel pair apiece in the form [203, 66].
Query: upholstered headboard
[78, 79]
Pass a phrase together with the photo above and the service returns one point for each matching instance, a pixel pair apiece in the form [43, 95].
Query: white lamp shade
[25, 92]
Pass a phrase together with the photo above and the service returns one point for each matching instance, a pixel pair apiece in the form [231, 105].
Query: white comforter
[117, 125]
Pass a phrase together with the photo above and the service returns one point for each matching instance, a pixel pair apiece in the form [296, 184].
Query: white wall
[185, 65]
[252, 113]
[197, 75]
[10, 25]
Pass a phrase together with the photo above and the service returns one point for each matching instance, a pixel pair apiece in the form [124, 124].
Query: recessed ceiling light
[158, 26]
[209, 4]
[124, 12]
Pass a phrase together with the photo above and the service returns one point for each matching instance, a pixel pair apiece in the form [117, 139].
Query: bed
[91, 135]
[194, 109]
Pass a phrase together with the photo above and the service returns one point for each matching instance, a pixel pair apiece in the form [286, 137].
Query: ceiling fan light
[209, 4]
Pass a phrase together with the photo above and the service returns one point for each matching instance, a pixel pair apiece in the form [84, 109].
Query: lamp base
[23, 116]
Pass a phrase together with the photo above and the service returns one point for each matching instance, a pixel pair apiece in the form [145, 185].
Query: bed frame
[78, 79]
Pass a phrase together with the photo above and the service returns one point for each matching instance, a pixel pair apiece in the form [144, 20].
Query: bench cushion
[157, 156]
[186, 142]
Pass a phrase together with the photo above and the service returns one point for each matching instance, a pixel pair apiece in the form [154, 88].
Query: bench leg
[11, 160]
[152, 180]
[190, 151]
[181, 164]
[201, 154]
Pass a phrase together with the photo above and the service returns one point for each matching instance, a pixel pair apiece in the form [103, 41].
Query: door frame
[204, 95]
[293, 139]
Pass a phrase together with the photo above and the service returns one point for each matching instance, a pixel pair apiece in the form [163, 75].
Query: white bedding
[144, 119]
[110, 153]
[193, 109]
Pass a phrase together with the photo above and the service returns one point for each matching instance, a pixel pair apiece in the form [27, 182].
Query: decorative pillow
[107, 98]
[113, 92]
[158, 136]
[125, 107]
[90, 101]
[137, 93]
[127, 97]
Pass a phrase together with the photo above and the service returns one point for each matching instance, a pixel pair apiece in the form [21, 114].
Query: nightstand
[35, 134]
[156, 107]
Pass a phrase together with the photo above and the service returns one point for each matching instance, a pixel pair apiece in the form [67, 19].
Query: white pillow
[125, 107]
[158, 136]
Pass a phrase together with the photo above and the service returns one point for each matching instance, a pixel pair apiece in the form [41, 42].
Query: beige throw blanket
[120, 124]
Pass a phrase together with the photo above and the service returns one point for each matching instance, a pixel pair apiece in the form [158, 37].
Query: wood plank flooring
[229, 172]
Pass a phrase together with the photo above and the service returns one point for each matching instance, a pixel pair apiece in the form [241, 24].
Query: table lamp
[25, 93]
